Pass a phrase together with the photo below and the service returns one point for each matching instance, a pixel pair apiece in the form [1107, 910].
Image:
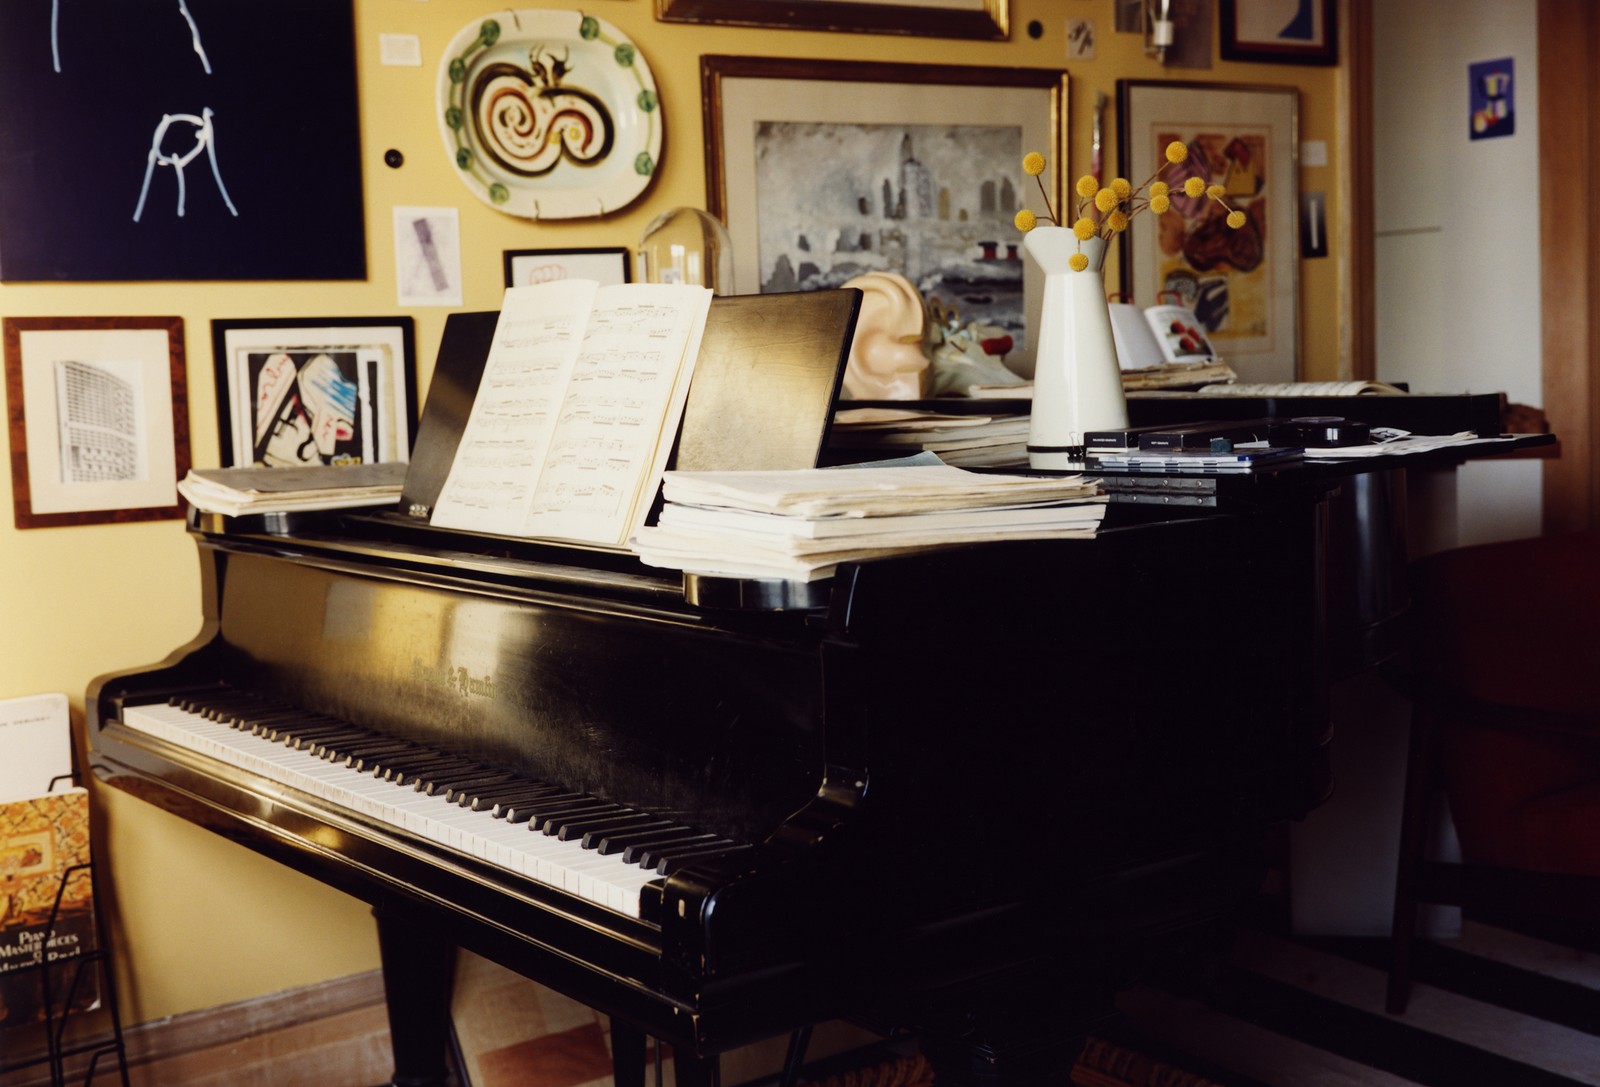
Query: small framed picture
[525, 267]
[301, 392]
[98, 416]
[1279, 31]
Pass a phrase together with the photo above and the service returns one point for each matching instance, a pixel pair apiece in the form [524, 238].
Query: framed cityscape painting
[825, 170]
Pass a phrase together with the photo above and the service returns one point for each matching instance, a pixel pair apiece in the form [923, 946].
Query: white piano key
[606, 880]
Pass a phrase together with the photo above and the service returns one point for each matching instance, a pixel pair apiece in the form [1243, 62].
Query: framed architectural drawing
[951, 19]
[1242, 284]
[300, 392]
[1279, 31]
[824, 170]
[98, 416]
[603, 265]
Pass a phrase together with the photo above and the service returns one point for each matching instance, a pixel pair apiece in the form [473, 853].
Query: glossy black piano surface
[964, 793]
[965, 782]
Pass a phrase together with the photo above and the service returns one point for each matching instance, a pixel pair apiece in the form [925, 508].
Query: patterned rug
[1102, 1064]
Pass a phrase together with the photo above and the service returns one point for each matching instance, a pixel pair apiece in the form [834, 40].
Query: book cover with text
[46, 904]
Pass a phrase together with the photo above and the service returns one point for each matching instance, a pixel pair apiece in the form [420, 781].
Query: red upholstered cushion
[1515, 622]
[1518, 624]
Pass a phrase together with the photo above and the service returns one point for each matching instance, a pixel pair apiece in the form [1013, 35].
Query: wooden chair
[1504, 672]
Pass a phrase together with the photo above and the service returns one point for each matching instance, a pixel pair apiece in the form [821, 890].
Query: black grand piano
[966, 793]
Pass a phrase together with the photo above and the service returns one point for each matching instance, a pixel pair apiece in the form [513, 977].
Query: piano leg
[418, 978]
[691, 1071]
[627, 1054]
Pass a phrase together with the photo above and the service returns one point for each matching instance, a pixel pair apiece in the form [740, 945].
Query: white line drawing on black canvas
[183, 9]
[204, 140]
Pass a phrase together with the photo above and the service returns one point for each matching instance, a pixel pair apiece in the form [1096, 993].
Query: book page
[35, 745]
[1307, 388]
[623, 404]
[507, 437]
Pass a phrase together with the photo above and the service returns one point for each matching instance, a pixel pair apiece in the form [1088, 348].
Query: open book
[576, 412]
[1159, 335]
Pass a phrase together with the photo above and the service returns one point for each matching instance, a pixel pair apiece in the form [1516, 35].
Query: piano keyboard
[584, 845]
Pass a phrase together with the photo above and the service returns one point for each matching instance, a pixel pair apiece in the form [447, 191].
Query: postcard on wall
[427, 256]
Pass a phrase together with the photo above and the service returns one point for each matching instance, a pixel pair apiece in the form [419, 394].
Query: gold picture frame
[977, 19]
[1242, 284]
[98, 416]
[804, 159]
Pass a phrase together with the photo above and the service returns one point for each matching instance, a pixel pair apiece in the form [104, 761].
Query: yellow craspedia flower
[1236, 219]
[1194, 187]
[1105, 199]
[1077, 262]
[1121, 187]
[1216, 192]
[1177, 152]
[1033, 164]
[1087, 186]
[1160, 205]
[1084, 229]
[1117, 221]
[1025, 220]
[1158, 188]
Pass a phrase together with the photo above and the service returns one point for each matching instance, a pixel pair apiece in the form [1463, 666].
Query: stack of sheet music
[987, 439]
[237, 491]
[802, 524]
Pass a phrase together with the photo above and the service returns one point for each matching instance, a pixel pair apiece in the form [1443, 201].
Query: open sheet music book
[576, 412]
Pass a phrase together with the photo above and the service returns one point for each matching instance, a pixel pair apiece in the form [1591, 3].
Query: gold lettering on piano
[454, 678]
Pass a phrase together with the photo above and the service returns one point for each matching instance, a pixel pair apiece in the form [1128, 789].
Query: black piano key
[550, 820]
[615, 841]
[636, 853]
[669, 865]
[449, 790]
[571, 829]
[429, 773]
[521, 813]
[369, 757]
[306, 728]
[527, 789]
[652, 856]
[464, 788]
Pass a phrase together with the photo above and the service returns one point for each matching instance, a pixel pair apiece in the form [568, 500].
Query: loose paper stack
[990, 439]
[801, 525]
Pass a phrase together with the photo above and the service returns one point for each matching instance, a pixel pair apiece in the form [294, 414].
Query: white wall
[1457, 246]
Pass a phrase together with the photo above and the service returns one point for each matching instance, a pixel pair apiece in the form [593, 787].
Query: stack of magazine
[800, 525]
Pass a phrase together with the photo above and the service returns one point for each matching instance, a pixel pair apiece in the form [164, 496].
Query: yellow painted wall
[203, 921]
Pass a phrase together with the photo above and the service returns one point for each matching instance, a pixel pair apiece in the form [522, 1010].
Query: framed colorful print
[950, 19]
[1279, 31]
[301, 392]
[1242, 284]
[99, 418]
[604, 266]
[825, 170]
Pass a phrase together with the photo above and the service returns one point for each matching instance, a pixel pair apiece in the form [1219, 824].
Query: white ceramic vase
[1077, 384]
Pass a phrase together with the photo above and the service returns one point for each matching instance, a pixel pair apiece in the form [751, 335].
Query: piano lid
[762, 397]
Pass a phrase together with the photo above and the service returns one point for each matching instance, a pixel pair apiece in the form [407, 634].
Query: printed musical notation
[575, 415]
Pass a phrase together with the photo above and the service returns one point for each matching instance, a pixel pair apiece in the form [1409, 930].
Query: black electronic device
[1319, 432]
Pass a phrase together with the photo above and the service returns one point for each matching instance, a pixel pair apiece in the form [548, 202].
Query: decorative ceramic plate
[549, 114]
